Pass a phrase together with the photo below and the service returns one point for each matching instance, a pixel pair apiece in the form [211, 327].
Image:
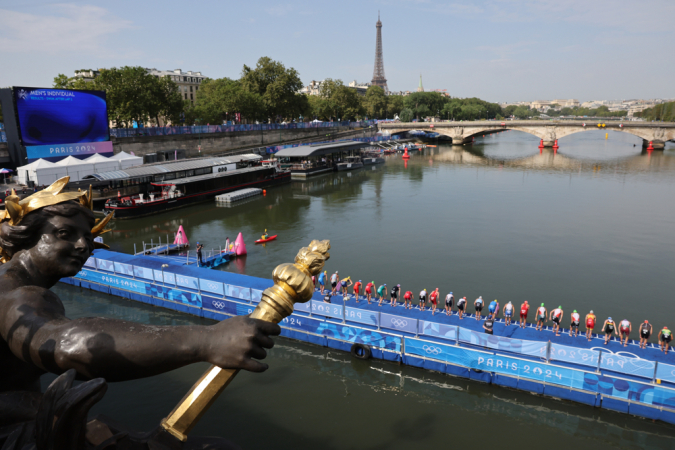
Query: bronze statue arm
[33, 323]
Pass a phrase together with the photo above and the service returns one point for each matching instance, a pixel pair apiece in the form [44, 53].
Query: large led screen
[59, 116]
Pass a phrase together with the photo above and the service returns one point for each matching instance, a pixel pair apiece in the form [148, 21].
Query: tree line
[663, 111]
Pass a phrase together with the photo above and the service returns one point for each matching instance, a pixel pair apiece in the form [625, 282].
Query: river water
[588, 227]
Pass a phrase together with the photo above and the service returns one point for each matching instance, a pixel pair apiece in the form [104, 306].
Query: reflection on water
[313, 397]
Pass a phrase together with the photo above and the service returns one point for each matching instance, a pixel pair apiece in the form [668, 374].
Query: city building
[361, 88]
[420, 88]
[188, 82]
[87, 75]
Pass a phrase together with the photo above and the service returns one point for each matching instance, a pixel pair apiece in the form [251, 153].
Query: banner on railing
[438, 330]
[574, 355]
[530, 348]
[628, 365]
[399, 323]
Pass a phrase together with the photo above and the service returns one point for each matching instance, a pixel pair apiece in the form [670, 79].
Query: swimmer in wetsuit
[508, 313]
[665, 336]
[574, 325]
[322, 281]
[493, 308]
[434, 301]
[608, 328]
[407, 300]
[645, 333]
[423, 299]
[625, 328]
[334, 279]
[461, 304]
[357, 290]
[542, 312]
[382, 291]
[394, 294]
[369, 291]
[478, 305]
[448, 303]
[556, 316]
[345, 283]
[524, 310]
[590, 324]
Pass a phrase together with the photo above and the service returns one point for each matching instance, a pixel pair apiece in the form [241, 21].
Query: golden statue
[292, 284]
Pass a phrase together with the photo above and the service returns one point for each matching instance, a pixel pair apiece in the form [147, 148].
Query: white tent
[41, 172]
[103, 164]
[77, 168]
[127, 160]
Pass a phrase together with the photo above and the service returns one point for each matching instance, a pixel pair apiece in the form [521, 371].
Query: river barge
[169, 195]
[631, 380]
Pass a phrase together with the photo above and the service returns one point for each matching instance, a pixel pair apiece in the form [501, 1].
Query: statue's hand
[236, 343]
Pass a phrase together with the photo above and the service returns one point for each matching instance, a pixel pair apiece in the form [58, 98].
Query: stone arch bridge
[462, 132]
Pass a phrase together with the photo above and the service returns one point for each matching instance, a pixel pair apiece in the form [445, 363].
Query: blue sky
[498, 50]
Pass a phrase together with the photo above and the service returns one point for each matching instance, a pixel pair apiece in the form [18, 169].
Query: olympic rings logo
[218, 305]
[400, 323]
[430, 349]
[212, 286]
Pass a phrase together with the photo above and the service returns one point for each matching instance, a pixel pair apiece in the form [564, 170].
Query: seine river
[589, 227]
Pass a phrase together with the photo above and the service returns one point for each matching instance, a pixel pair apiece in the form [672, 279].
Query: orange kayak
[262, 241]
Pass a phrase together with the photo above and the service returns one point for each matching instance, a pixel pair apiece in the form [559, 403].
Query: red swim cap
[646, 321]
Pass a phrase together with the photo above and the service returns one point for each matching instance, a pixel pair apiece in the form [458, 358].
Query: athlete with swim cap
[542, 312]
[609, 327]
[524, 310]
[625, 328]
[382, 291]
[322, 280]
[434, 301]
[574, 325]
[645, 333]
[394, 294]
[478, 304]
[334, 279]
[357, 290]
[461, 304]
[508, 313]
[493, 308]
[665, 336]
[369, 291]
[345, 283]
[590, 324]
[423, 299]
[448, 303]
[556, 317]
[408, 300]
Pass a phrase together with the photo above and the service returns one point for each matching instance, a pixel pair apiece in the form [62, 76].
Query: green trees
[663, 111]
[394, 105]
[335, 101]
[407, 115]
[132, 95]
[375, 103]
[219, 100]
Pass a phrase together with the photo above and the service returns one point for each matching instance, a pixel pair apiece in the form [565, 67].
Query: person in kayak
[322, 281]
[625, 328]
[556, 316]
[394, 294]
[478, 305]
[508, 313]
[461, 304]
[408, 300]
[493, 308]
[524, 311]
[334, 280]
[665, 336]
[608, 328]
[357, 290]
[381, 292]
[590, 324]
[574, 324]
[369, 291]
[423, 299]
[345, 283]
[645, 333]
[542, 313]
[265, 235]
[434, 301]
[448, 303]
[489, 325]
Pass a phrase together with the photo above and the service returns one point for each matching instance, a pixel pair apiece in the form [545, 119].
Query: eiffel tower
[378, 73]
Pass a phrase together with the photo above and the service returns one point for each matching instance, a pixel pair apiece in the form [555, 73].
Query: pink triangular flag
[239, 246]
[181, 237]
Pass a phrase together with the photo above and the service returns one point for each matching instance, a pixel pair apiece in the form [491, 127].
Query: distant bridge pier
[656, 145]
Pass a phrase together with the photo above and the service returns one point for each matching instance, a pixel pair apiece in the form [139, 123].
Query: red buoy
[406, 155]
[264, 191]
[541, 144]
[651, 147]
[555, 145]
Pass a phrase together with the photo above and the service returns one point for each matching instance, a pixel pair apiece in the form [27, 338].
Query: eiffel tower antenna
[378, 73]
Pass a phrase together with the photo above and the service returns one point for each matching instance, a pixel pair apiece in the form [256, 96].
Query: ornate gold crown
[16, 209]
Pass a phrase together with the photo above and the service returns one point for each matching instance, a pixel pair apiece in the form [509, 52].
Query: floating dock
[236, 196]
[635, 381]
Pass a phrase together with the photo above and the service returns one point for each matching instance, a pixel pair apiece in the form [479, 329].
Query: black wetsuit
[645, 331]
[394, 292]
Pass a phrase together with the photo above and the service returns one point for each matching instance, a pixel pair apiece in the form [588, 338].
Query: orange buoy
[264, 191]
[651, 147]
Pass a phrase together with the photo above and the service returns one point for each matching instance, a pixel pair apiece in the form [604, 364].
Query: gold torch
[292, 284]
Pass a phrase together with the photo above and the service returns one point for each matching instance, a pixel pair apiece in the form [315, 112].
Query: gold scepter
[292, 284]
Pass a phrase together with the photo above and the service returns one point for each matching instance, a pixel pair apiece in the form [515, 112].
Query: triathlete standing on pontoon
[625, 328]
[556, 317]
[665, 336]
[645, 333]
[508, 313]
[542, 312]
[590, 324]
[574, 324]
[423, 299]
[608, 328]
[357, 290]
[407, 300]
[524, 310]
[448, 303]
[493, 308]
[394, 294]
[461, 304]
[478, 305]
[434, 301]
